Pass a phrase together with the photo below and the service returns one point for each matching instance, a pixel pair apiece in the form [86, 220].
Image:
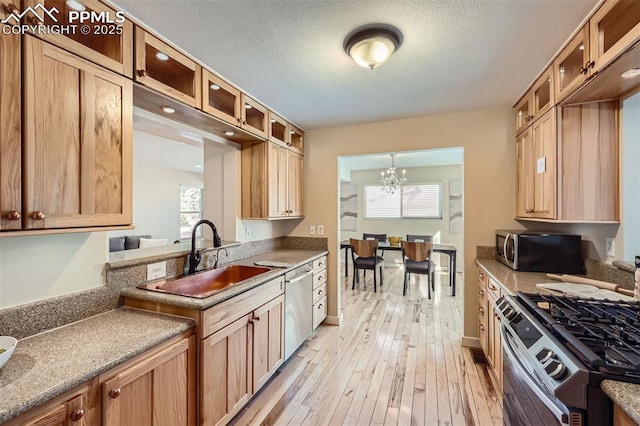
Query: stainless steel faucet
[194, 256]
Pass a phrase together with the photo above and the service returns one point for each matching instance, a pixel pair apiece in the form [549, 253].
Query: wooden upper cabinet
[278, 181]
[538, 100]
[108, 45]
[254, 116]
[7, 7]
[524, 171]
[279, 130]
[544, 140]
[297, 139]
[157, 390]
[571, 67]
[295, 181]
[613, 29]
[219, 98]
[10, 134]
[163, 68]
[78, 125]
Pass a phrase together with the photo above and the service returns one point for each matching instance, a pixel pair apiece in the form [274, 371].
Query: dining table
[448, 249]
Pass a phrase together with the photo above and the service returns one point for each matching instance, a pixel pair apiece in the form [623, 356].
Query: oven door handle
[552, 406]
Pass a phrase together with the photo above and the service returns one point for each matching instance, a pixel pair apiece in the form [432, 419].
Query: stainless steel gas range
[557, 350]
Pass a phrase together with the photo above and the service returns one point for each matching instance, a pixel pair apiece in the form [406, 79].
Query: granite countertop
[626, 395]
[514, 281]
[48, 364]
[294, 257]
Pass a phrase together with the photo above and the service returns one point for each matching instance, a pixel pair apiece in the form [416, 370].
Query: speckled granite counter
[49, 364]
[513, 281]
[626, 395]
[293, 257]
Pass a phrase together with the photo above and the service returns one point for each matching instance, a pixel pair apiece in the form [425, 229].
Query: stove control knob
[544, 355]
[510, 313]
[556, 370]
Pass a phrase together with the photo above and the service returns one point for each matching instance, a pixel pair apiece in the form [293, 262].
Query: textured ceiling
[456, 54]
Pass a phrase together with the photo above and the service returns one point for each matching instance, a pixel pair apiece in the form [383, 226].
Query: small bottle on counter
[636, 288]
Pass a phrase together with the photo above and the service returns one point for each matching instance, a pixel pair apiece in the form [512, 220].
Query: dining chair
[420, 238]
[416, 260]
[364, 256]
[382, 238]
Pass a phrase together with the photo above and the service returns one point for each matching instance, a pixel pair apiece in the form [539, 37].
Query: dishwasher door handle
[299, 277]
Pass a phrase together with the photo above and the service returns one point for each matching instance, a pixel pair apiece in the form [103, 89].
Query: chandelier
[389, 180]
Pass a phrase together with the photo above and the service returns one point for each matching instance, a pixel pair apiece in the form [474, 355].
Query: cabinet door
[295, 182]
[254, 116]
[220, 99]
[524, 178]
[278, 130]
[542, 95]
[155, 391]
[268, 341]
[109, 45]
[226, 372]
[613, 29]
[543, 134]
[278, 184]
[78, 141]
[523, 113]
[297, 140]
[166, 70]
[7, 7]
[10, 133]
[496, 338]
[69, 413]
[570, 68]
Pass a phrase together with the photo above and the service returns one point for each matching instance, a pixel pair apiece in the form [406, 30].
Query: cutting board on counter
[585, 290]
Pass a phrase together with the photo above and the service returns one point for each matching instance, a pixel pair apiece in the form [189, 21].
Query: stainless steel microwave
[536, 251]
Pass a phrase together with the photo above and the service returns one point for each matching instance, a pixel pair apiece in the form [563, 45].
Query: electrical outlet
[611, 247]
[312, 230]
[247, 234]
[155, 271]
[320, 229]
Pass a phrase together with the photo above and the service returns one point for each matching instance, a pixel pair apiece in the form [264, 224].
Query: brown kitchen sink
[206, 283]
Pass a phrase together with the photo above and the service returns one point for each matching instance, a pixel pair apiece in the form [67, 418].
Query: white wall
[156, 200]
[439, 228]
[42, 266]
[630, 235]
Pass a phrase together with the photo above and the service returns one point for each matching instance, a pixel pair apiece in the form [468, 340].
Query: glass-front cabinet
[297, 139]
[538, 100]
[254, 116]
[278, 130]
[109, 45]
[523, 118]
[571, 67]
[612, 29]
[166, 70]
[219, 98]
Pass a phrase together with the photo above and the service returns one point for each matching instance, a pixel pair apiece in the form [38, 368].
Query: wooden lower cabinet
[78, 129]
[621, 418]
[489, 325]
[66, 413]
[157, 390]
[239, 359]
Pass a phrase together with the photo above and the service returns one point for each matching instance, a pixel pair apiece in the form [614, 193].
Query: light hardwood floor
[394, 361]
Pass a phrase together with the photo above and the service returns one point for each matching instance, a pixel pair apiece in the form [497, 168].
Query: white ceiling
[456, 54]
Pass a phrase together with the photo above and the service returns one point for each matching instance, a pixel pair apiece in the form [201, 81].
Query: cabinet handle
[320, 291]
[481, 276]
[37, 216]
[13, 215]
[10, 8]
[481, 293]
[77, 415]
[254, 319]
[590, 64]
[584, 70]
[481, 327]
[142, 73]
[115, 393]
[492, 287]
[244, 122]
[481, 310]
[320, 264]
[320, 306]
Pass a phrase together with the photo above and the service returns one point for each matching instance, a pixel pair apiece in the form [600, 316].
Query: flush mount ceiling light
[372, 45]
[214, 86]
[162, 56]
[168, 109]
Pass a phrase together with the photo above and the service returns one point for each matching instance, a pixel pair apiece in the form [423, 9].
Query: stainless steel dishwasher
[298, 296]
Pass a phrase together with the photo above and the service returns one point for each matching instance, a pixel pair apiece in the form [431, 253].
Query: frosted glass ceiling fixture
[389, 180]
[372, 45]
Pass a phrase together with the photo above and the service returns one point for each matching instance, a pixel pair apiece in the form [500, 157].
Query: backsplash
[32, 318]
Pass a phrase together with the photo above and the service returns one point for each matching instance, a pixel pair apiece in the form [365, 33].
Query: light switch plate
[155, 271]
[312, 230]
[611, 247]
[320, 229]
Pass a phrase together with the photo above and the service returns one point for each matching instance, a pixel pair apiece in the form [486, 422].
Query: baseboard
[332, 320]
[471, 342]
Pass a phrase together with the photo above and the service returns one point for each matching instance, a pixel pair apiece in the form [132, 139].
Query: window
[190, 210]
[422, 201]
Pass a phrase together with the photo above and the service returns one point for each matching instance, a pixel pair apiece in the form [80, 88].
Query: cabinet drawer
[319, 312]
[493, 290]
[223, 314]
[319, 278]
[319, 292]
[319, 264]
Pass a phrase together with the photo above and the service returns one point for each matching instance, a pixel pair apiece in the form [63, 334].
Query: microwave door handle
[531, 384]
[504, 247]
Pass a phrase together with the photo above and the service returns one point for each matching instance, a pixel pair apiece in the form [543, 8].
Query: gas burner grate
[605, 335]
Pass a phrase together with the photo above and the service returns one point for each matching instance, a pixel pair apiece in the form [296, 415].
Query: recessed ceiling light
[273, 120]
[214, 86]
[76, 5]
[581, 47]
[162, 56]
[168, 109]
[247, 106]
[633, 72]
[293, 131]
[229, 133]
